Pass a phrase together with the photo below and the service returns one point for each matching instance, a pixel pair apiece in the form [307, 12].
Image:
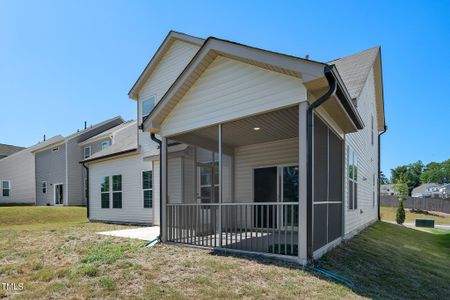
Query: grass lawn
[388, 214]
[64, 258]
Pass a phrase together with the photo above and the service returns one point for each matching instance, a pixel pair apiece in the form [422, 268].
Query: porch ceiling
[276, 125]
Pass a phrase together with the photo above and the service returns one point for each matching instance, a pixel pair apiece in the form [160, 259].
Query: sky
[66, 62]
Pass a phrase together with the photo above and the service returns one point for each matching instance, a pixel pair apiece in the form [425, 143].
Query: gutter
[379, 170]
[108, 155]
[159, 142]
[87, 188]
[328, 70]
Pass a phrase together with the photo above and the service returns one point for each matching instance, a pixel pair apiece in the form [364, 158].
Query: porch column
[302, 186]
[163, 166]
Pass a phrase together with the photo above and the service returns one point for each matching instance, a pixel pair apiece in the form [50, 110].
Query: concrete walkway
[143, 233]
[412, 225]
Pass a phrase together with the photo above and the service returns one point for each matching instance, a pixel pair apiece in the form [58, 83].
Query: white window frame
[144, 190]
[107, 192]
[6, 189]
[116, 191]
[84, 152]
[107, 143]
[142, 116]
[352, 160]
[44, 186]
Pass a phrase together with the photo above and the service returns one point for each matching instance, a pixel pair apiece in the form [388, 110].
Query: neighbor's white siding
[228, 90]
[19, 169]
[132, 210]
[260, 155]
[367, 154]
[163, 76]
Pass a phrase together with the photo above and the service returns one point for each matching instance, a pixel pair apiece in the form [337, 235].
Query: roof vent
[307, 56]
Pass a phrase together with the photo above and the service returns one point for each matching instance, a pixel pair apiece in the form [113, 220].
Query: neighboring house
[425, 190]
[261, 152]
[7, 150]
[387, 190]
[122, 179]
[17, 174]
[60, 179]
[444, 191]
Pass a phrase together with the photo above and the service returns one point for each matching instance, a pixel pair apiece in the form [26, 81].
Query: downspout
[159, 142]
[87, 189]
[379, 170]
[309, 140]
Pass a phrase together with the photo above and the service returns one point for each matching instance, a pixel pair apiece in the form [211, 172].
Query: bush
[400, 217]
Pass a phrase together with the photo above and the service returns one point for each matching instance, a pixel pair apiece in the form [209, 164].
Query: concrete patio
[143, 233]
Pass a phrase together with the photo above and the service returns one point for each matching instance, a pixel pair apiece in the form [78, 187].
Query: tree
[402, 190]
[408, 174]
[436, 172]
[383, 178]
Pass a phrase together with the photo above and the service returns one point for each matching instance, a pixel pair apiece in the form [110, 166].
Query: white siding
[229, 90]
[165, 73]
[367, 154]
[260, 155]
[19, 169]
[156, 191]
[175, 179]
[132, 210]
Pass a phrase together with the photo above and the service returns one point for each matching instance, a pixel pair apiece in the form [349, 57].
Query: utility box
[429, 223]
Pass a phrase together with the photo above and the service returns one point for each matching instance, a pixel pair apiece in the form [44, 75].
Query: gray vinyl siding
[50, 167]
[19, 170]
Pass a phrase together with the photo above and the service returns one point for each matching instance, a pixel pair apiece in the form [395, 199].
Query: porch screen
[327, 184]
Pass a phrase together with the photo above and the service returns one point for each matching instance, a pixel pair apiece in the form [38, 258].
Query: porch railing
[270, 227]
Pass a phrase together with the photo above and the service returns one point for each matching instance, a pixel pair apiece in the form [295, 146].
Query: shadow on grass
[388, 261]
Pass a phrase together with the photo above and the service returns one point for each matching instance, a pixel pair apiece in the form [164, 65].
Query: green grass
[63, 257]
[35, 215]
[390, 261]
[388, 214]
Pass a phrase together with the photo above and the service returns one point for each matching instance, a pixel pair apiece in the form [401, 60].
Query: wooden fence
[430, 204]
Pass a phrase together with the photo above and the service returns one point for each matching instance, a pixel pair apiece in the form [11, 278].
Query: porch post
[302, 186]
[220, 185]
[163, 166]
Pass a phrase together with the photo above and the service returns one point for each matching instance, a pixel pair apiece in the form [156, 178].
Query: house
[7, 150]
[387, 190]
[261, 152]
[425, 190]
[17, 174]
[122, 178]
[60, 179]
[444, 191]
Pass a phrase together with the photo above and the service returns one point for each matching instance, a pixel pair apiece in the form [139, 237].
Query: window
[87, 152]
[44, 187]
[117, 191]
[147, 189]
[105, 144]
[372, 130]
[104, 190]
[6, 188]
[209, 177]
[55, 149]
[352, 170]
[147, 106]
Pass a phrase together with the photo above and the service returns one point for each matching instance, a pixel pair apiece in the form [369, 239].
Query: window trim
[107, 192]
[352, 199]
[141, 106]
[6, 189]
[84, 152]
[42, 187]
[144, 190]
[116, 192]
[108, 143]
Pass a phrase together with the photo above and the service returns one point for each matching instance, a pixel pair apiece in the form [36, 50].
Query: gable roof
[108, 133]
[168, 41]
[123, 143]
[354, 69]
[7, 150]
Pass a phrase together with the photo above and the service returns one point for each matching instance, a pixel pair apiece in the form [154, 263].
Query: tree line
[415, 174]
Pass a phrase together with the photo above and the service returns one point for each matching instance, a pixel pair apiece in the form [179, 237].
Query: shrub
[400, 217]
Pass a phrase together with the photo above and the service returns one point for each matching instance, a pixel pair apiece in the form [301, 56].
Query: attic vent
[307, 56]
